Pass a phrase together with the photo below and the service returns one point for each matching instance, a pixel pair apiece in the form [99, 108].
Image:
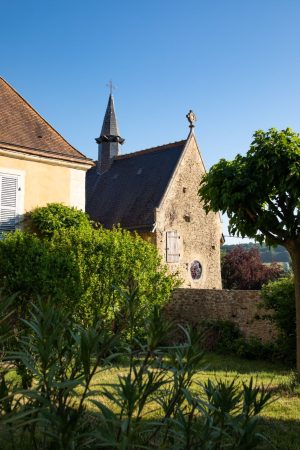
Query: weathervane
[191, 117]
[111, 86]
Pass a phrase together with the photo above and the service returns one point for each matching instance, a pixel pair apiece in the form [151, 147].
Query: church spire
[109, 140]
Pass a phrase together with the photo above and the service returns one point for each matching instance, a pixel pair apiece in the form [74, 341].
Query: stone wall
[199, 234]
[192, 306]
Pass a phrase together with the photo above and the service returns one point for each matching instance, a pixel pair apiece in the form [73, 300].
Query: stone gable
[198, 234]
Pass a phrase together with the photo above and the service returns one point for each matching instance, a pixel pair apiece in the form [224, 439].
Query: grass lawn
[281, 419]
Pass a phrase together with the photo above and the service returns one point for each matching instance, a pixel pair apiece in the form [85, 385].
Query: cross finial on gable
[111, 86]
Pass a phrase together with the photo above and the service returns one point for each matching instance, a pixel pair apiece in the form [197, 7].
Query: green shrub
[220, 335]
[254, 348]
[32, 267]
[46, 220]
[85, 270]
[225, 337]
[279, 297]
[111, 262]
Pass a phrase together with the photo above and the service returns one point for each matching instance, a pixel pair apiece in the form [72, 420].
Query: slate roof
[132, 188]
[24, 130]
[110, 125]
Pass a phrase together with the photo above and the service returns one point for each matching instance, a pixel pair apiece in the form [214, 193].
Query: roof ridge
[151, 149]
[52, 152]
[41, 117]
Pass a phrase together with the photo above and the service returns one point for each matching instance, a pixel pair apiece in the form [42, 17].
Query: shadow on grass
[231, 363]
[282, 434]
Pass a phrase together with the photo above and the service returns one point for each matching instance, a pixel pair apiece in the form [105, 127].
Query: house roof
[23, 129]
[132, 188]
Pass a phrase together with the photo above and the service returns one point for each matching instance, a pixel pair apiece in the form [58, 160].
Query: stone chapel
[154, 192]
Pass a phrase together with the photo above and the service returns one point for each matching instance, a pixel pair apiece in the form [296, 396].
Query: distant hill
[268, 255]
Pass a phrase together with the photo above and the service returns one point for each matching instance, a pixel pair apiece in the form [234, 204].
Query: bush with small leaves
[84, 270]
[225, 337]
[46, 220]
[220, 335]
[278, 297]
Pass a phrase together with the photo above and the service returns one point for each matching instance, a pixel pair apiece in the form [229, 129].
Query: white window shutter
[8, 202]
[172, 246]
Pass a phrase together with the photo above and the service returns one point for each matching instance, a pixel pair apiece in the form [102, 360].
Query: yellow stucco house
[37, 165]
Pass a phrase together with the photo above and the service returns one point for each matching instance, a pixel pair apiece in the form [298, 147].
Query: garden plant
[63, 256]
[155, 403]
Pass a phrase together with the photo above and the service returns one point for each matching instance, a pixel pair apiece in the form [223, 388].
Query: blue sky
[235, 63]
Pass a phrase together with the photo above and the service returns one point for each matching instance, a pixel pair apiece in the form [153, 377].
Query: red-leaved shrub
[243, 269]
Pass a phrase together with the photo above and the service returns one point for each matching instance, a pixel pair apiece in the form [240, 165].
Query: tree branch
[254, 217]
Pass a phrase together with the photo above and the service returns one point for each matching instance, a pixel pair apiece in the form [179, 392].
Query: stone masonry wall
[192, 306]
[199, 233]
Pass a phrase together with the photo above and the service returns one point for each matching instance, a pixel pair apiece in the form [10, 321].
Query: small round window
[196, 270]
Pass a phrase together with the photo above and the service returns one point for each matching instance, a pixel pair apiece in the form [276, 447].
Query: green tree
[260, 193]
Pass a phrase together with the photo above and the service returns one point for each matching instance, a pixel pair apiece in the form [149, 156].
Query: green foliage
[225, 337]
[111, 262]
[46, 220]
[85, 270]
[259, 191]
[254, 348]
[6, 316]
[225, 429]
[279, 297]
[63, 358]
[291, 385]
[220, 335]
[32, 267]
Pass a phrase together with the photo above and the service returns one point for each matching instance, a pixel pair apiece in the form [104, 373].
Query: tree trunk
[295, 255]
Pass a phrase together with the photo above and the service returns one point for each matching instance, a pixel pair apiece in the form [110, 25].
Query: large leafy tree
[260, 193]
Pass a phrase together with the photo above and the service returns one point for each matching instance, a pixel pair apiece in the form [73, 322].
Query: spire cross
[111, 86]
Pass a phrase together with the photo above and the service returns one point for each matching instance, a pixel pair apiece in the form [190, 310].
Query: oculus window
[196, 270]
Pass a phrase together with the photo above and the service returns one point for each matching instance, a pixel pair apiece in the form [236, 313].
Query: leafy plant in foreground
[62, 358]
[155, 403]
[191, 415]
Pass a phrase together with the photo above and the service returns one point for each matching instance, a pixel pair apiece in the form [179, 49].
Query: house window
[172, 250]
[9, 204]
[196, 270]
